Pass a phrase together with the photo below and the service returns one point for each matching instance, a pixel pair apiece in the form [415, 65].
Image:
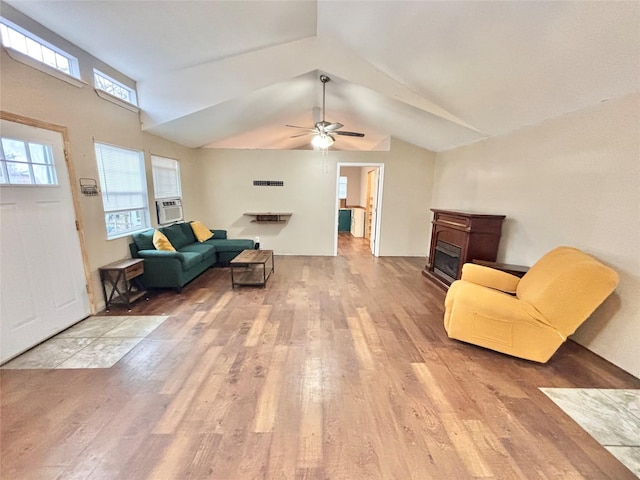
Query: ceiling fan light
[322, 141]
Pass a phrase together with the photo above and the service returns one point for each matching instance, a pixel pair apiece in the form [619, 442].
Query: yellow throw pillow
[201, 232]
[161, 242]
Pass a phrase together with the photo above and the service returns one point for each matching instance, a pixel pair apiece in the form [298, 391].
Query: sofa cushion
[230, 245]
[144, 240]
[566, 285]
[161, 242]
[176, 236]
[188, 232]
[207, 251]
[191, 259]
[201, 232]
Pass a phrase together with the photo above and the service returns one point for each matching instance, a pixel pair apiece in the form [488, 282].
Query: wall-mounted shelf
[268, 217]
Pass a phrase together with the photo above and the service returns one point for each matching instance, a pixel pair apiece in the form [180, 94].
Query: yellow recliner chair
[528, 317]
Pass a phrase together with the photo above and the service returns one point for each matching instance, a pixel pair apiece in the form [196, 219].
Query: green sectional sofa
[166, 269]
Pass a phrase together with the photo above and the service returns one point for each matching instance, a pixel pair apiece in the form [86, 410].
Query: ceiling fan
[324, 131]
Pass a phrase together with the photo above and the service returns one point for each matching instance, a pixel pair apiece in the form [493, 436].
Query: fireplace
[446, 260]
[458, 238]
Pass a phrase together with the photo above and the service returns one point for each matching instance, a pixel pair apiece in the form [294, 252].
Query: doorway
[42, 276]
[363, 201]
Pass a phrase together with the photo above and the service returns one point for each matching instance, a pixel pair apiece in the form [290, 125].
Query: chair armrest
[490, 277]
[160, 254]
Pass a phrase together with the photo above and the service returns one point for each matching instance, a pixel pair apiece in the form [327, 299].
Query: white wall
[309, 192]
[227, 192]
[28, 92]
[573, 180]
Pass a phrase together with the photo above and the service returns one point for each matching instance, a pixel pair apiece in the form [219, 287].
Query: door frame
[376, 227]
[75, 192]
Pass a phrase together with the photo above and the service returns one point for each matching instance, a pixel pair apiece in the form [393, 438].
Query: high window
[113, 87]
[26, 163]
[20, 40]
[166, 177]
[124, 189]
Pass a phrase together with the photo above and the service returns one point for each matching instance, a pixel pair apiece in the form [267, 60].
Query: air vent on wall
[268, 183]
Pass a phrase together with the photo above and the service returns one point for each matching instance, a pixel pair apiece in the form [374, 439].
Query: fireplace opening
[447, 260]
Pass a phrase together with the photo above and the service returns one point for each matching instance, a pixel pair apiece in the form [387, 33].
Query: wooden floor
[339, 369]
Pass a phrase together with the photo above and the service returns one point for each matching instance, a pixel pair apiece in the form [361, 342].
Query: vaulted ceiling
[438, 74]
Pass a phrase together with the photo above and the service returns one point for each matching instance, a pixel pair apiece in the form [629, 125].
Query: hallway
[349, 246]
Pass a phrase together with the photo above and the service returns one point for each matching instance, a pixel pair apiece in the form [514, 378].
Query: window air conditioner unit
[169, 210]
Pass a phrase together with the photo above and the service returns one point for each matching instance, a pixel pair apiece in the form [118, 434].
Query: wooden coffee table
[252, 267]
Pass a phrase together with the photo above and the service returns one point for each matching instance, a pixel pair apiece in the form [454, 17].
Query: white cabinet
[357, 222]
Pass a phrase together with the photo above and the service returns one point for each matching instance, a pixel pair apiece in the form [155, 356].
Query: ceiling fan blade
[348, 134]
[323, 129]
[333, 126]
[302, 134]
[306, 128]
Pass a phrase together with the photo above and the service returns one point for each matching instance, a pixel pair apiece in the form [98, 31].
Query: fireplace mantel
[457, 238]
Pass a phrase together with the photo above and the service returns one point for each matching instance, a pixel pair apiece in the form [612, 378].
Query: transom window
[124, 189]
[107, 84]
[26, 163]
[19, 39]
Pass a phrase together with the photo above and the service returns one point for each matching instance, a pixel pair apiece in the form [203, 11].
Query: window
[124, 189]
[166, 177]
[26, 163]
[113, 87]
[342, 188]
[21, 40]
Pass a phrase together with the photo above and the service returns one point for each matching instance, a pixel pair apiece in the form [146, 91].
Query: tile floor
[97, 342]
[610, 416]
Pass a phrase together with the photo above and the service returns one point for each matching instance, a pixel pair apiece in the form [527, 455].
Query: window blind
[124, 189]
[166, 177]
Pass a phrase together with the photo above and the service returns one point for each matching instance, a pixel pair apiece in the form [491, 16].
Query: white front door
[42, 280]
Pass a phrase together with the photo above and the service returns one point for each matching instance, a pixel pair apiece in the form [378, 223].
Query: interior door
[372, 204]
[368, 208]
[42, 280]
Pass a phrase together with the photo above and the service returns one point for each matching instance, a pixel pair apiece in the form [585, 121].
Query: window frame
[154, 172]
[33, 61]
[49, 163]
[145, 219]
[342, 184]
[133, 94]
